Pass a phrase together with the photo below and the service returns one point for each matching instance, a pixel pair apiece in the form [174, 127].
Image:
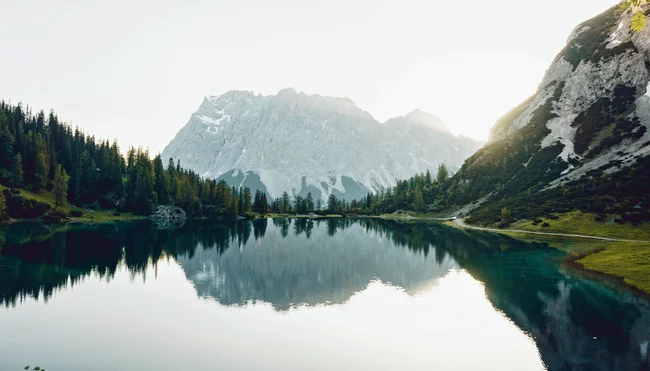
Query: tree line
[38, 152]
[420, 193]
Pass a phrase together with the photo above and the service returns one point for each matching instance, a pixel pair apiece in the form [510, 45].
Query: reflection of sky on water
[295, 295]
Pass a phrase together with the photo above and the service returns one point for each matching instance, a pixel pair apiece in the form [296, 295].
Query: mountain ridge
[580, 142]
[303, 143]
[416, 114]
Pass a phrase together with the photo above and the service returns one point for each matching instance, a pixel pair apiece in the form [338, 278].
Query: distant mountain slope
[309, 143]
[581, 141]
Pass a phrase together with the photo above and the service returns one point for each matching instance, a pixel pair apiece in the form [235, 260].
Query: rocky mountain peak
[425, 118]
[302, 143]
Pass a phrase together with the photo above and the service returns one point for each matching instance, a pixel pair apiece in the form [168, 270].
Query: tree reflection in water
[576, 323]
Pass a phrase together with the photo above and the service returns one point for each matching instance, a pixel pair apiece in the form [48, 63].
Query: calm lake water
[305, 295]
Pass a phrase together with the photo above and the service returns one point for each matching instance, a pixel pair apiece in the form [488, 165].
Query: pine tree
[240, 205]
[257, 202]
[6, 146]
[42, 169]
[247, 200]
[428, 178]
[142, 204]
[332, 204]
[162, 184]
[309, 203]
[265, 204]
[443, 174]
[17, 170]
[418, 199]
[234, 204]
[285, 206]
[74, 182]
[3, 208]
[60, 186]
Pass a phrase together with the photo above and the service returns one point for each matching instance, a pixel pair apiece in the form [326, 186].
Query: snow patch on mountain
[297, 143]
[620, 61]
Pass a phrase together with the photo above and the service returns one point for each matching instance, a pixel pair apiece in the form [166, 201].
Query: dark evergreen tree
[3, 208]
[162, 185]
[6, 146]
[248, 206]
[17, 169]
[60, 185]
[443, 174]
[333, 204]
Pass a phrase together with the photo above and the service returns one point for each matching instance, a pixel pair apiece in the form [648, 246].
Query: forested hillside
[580, 143]
[41, 154]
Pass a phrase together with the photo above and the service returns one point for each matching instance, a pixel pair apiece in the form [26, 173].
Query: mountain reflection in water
[577, 324]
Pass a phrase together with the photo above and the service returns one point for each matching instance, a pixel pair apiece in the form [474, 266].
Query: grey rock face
[602, 55]
[309, 143]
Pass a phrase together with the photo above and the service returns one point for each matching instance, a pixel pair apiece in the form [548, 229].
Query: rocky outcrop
[582, 141]
[603, 60]
[168, 217]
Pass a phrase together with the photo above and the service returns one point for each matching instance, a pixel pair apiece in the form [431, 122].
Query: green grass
[47, 198]
[96, 217]
[107, 216]
[628, 261]
[582, 223]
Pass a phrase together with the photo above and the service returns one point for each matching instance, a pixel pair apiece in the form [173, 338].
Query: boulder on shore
[169, 217]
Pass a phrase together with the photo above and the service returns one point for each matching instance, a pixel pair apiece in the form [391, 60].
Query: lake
[281, 294]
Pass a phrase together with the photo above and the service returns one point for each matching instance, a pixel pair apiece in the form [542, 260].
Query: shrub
[76, 213]
[54, 216]
[545, 225]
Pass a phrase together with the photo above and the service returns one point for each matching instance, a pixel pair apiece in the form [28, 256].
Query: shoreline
[591, 254]
[610, 257]
[590, 260]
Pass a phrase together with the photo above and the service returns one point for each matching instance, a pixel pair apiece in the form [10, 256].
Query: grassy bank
[628, 261]
[87, 215]
[582, 223]
[411, 215]
[99, 216]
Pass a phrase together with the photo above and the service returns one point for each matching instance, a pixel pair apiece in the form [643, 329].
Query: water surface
[305, 295]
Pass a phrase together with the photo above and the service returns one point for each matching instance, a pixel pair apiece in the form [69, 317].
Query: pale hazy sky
[136, 70]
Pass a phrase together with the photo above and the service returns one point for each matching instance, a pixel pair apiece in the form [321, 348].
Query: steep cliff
[581, 141]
